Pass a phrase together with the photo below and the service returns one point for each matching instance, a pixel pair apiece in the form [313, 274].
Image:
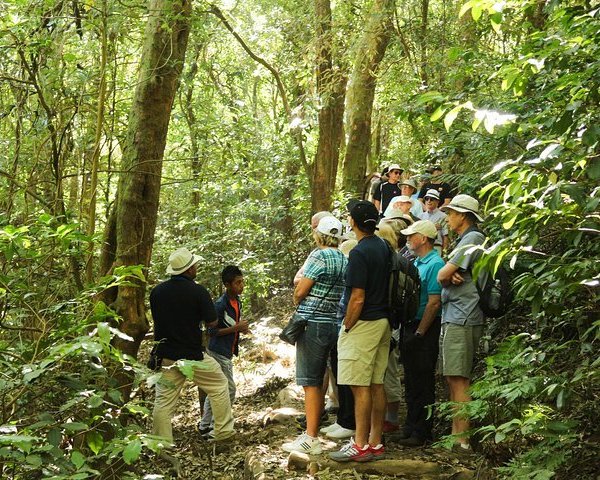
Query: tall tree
[331, 85]
[361, 92]
[130, 234]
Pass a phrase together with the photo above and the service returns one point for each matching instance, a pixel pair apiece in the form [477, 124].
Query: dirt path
[267, 403]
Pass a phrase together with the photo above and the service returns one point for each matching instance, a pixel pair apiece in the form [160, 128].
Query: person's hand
[457, 279]
[242, 326]
[438, 226]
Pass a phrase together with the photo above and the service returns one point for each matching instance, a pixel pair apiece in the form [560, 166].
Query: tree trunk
[361, 92]
[331, 85]
[166, 37]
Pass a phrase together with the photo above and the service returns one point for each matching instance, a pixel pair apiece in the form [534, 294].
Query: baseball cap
[424, 227]
[330, 226]
[363, 213]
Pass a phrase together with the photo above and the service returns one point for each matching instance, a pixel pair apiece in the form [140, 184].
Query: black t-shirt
[444, 189]
[179, 306]
[385, 193]
[368, 269]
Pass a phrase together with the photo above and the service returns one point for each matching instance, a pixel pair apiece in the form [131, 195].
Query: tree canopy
[132, 128]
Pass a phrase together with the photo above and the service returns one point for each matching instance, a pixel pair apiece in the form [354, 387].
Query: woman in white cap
[317, 295]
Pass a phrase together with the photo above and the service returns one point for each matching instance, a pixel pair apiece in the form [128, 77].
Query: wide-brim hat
[464, 204]
[180, 260]
[432, 193]
[410, 182]
[395, 166]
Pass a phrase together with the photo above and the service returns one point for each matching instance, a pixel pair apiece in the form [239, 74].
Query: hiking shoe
[203, 430]
[378, 451]
[340, 433]
[304, 444]
[389, 427]
[330, 428]
[301, 420]
[351, 452]
[411, 442]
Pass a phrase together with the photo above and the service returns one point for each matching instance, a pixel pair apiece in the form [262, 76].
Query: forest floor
[267, 403]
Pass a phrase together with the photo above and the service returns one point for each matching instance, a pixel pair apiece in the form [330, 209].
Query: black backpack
[495, 295]
[495, 292]
[404, 289]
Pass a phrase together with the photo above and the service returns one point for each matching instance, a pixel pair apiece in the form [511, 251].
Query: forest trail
[266, 405]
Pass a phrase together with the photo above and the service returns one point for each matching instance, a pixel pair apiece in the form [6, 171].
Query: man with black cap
[179, 307]
[364, 341]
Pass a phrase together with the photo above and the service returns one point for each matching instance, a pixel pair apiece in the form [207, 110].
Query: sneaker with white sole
[330, 428]
[351, 452]
[304, 444]
[340, 433]
[378, 451]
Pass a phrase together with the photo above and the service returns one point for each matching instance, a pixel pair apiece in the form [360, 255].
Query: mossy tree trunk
[130, 233]
[331, 86]
[361, 92]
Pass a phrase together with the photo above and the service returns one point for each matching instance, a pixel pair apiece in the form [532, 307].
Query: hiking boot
[389, 427]
[301, 420]
[400, 434]
[378, 451]
[411, 442]
[351, 452]
[304, 444]
[203, 430]
[340, 433]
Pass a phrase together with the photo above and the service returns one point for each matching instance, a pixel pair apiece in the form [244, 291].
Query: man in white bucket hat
[462, 318]
[179, 307]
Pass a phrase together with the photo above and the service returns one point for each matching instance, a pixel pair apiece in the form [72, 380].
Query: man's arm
[448, 275]
[434, 303]
[302, 289]
[355, 306]
[377, 204]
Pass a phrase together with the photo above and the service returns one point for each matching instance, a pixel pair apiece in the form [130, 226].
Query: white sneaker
[304, 444]
[330, 428]
[340, 432]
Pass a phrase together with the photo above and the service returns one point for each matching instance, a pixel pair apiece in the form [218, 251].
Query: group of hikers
[349, 341]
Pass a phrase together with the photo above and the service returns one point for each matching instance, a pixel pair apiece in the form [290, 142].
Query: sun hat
[363, 213]
[395, 166]
[432, 193]
[180, 260]
[330, 226]
[464, 204]
[410, 182]
[424, 227]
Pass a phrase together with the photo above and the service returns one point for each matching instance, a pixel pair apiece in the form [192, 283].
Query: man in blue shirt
[421, 337]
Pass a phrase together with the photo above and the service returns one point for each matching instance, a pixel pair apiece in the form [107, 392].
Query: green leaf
[507, 224]
[132, 451]
[499, 437]
[451, 116]
[75, 426]
[54, 437]
[465, 8]
[34, 460]
[94, 441]
[78, 459]
[438, 113]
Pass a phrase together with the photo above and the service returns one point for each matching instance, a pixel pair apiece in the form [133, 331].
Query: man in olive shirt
[462, 318]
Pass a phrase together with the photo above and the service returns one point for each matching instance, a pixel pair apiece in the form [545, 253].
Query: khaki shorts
[458, 345]
[363, 353]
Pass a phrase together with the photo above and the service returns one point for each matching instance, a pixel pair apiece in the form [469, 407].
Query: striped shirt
[326, 268]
